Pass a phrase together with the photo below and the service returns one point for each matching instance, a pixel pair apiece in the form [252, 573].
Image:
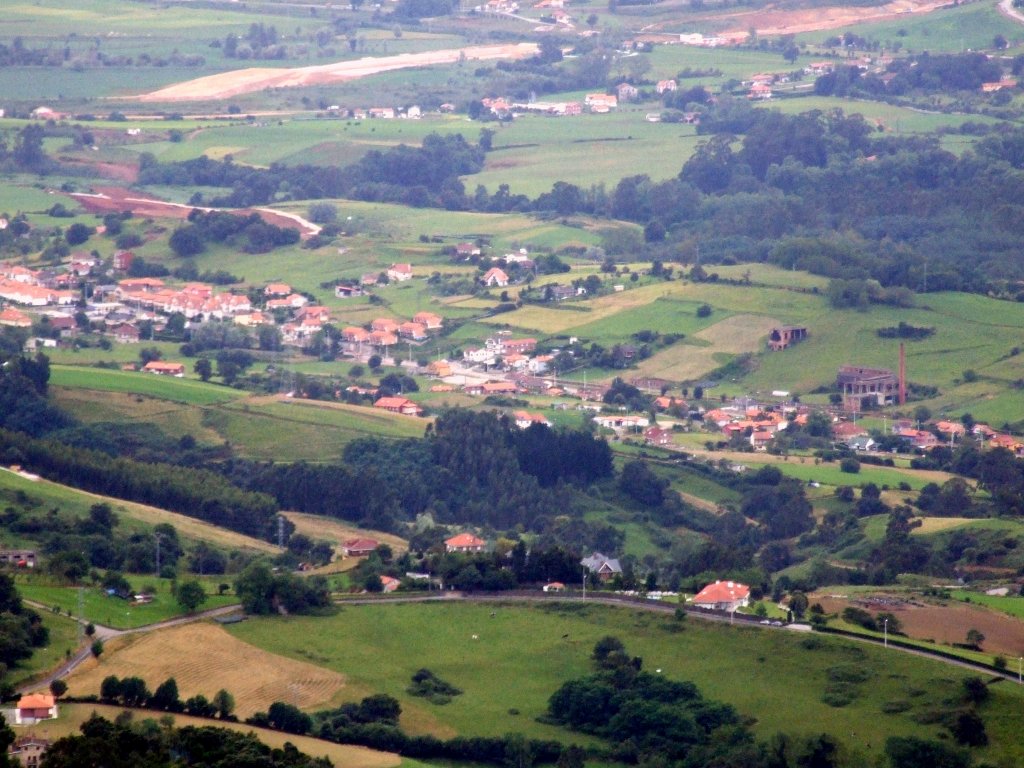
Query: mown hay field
[203, 658]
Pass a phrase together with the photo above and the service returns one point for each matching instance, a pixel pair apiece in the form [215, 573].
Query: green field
[100, 608]
[379, 647]
[189, 391]
[64, 638]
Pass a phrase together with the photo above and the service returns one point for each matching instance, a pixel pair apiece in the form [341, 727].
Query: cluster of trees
[645, 715]
[149, 744]
[73, 545]
[198, 493]
[262, 591]
[915, 75]
[133, 692]
[251, 233]
[373, 722]
[421, 176]
[472, 468]
[259, 42]
[21, 631]
[23, 386]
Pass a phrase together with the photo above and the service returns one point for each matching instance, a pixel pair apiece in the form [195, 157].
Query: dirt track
[770, 21]
[229, 84]
[116, 199]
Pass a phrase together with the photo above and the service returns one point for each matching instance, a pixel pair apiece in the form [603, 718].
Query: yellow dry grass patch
[187, 527]
[732, 336]
[937, 524]
[73, 715]
[203, 658]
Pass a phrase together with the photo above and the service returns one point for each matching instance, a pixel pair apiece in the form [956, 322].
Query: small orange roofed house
[360, 547]
[723, 596]
[464, 542]
[398, 405]
[34, 707]
[389, 584]
[164, 369]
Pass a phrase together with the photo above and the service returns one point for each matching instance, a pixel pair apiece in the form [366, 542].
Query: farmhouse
[465, 542]
[604, 568]
[626, 92]
[400, 405]
[28, 750]
[359, 547]
[525, 419]
[723, 596]
[657, 436]
[664, 86]
[520, 346]
[389, 584]
[428, 319]
[400, 272]
[34, 707]
[495, 276]
[164, 369]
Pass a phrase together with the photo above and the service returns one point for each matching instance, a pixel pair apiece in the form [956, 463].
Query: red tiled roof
[465, 540]
[722, 592]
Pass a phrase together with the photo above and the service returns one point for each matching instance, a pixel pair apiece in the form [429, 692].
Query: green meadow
[189, 391]
[952, 29]
[101, 608]
[521, 655]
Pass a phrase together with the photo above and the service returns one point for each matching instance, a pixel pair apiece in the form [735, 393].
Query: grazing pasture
[379, 647]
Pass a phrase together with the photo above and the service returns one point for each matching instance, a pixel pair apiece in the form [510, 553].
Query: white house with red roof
[34, 707]
[400, 272]
[723, 596]
[465, 542]
[495, 277]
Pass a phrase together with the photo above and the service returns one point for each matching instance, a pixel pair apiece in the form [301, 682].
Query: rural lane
[107, 633]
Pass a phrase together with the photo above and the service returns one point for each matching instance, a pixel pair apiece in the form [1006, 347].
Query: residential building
[723, 596]
[465, 542]
[604, 568]
[34, 707]
[359, 547]
[400, 272]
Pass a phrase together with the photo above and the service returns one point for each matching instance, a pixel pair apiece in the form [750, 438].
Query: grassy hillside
[379, 647]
